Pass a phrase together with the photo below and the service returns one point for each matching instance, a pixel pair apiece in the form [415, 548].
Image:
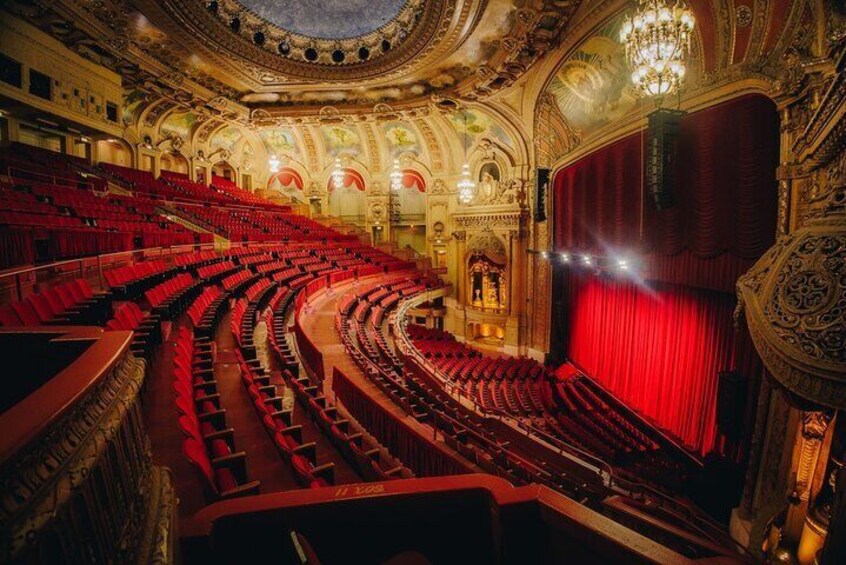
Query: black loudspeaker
[541, 186]
[660, 155]
[731, 404]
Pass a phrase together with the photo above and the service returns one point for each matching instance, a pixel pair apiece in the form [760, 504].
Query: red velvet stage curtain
[724, 191]
[659, 349]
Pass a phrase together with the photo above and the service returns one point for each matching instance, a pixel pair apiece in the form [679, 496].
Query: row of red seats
[204, 304]
[146, 329]
[166, 297]
[71, 303]
[300, 456]
[209, 445]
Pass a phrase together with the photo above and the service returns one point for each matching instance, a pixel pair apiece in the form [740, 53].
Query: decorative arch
[287, 181]
[352, 179]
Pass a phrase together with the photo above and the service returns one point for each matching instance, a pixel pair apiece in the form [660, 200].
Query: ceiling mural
[478, 125]
[226, 139]
[592, 87]
[327, 19]
[279, 141]
[132, 101]
[179, 123]
[341, 140]
[401, 139]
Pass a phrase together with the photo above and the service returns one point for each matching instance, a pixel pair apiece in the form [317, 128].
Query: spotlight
[586, 259]
[565, 258]
[622, 264]
[544, 255]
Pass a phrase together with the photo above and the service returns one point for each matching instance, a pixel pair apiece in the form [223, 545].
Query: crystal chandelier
[657, 41]
[466, 186]
[338, 174]
[396, 176]
[273, 162]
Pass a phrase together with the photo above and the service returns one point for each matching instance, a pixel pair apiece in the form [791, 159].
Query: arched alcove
[115, 152]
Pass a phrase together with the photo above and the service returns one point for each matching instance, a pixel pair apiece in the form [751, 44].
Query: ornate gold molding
[55, 485]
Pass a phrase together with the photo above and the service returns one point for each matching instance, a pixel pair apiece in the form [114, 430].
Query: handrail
[46, 405]
[53, 179]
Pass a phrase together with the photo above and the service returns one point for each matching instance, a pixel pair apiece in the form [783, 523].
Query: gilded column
[814, 426]
[819, 517]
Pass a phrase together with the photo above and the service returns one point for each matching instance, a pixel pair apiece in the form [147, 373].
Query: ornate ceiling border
[435, 20]
[286, 43]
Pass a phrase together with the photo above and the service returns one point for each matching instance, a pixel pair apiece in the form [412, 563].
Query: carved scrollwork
[795, 304]
[486, 242]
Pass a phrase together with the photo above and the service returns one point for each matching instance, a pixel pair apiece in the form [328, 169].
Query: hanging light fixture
[657, 42]
[396, 176]
[338, 174]
[466, 186]
[273, 162]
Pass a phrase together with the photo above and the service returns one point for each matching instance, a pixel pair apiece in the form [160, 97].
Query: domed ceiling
[327, 19]
[286, 57]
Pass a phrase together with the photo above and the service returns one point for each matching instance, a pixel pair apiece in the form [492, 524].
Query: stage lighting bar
[612, 264]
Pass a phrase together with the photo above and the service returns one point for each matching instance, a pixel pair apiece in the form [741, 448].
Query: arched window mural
[347, 202]
[289, 182]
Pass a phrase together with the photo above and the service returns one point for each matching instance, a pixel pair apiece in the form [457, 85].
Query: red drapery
[413, 179]
[659, 349]
[287, 177]
[724, 191]
[17, 247]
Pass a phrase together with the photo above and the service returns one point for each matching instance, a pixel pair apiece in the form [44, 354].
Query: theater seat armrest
[215, 398]
[208, 386]
[284, 415]
[308, 450]
[235, 462]
[217, 418]
[326, 472]
[343, 425]
[295, 432]
[247, 489]
[226, 434]
[358, 436]
[396, 471]
[262, 380]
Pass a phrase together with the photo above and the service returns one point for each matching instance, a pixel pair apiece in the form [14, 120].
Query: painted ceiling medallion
[327, 19]
[330, 33]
